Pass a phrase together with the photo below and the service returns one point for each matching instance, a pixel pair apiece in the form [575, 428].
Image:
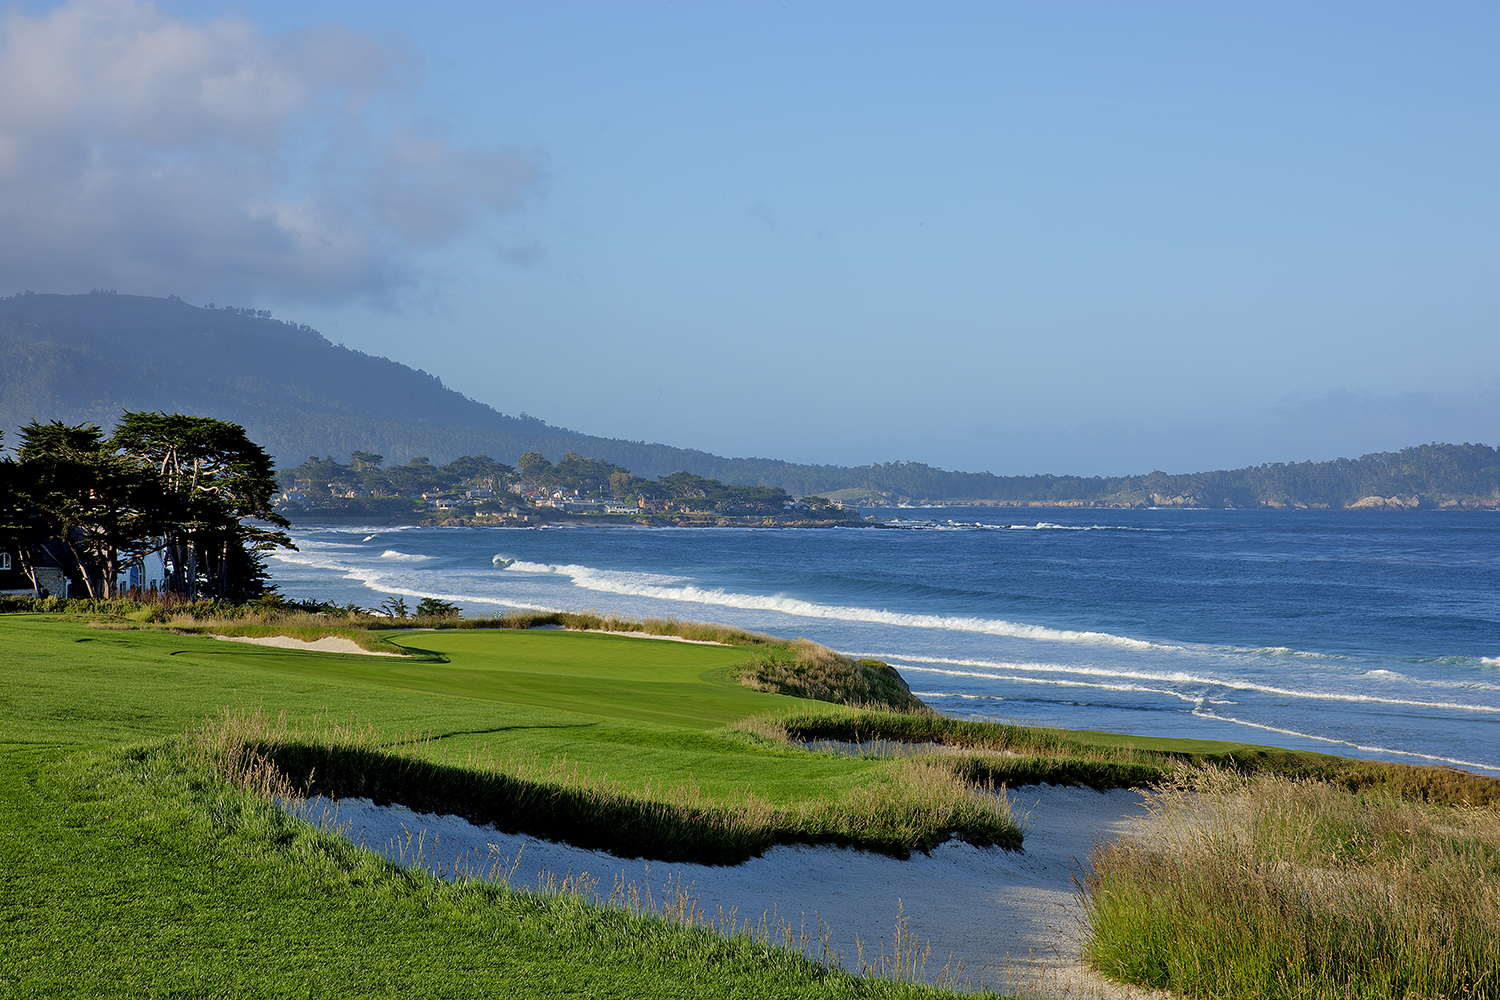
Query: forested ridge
[90, 357]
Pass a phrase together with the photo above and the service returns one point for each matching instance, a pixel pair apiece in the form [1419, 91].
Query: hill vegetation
[87, 358]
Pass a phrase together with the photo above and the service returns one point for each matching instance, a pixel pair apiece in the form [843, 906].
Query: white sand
[327, 644]
[1012, 919]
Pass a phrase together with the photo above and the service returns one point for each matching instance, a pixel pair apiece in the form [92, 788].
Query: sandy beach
[1008, 920]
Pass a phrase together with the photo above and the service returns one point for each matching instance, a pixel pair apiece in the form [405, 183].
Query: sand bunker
[1011, 918]
[327, 644]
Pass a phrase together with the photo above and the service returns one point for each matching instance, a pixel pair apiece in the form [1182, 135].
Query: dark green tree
[106, 509]
[219, 489]
[533, 464]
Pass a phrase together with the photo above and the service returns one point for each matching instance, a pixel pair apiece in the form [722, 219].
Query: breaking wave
[669, 588]
[1111, 678]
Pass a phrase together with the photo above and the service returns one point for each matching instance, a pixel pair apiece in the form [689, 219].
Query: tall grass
[1278, 887]
[1003, 753]
[910, 805]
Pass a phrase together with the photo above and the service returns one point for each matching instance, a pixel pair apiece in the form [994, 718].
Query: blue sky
[1020, 237]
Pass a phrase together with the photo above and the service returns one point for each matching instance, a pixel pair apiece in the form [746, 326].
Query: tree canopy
[194, 489]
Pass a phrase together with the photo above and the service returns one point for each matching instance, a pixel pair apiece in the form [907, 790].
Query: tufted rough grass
[1002, 753]
[1276, 887]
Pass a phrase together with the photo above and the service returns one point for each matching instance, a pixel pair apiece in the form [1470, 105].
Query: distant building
[51, 577]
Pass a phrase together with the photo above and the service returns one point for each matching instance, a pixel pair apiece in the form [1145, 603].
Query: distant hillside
[87, 357]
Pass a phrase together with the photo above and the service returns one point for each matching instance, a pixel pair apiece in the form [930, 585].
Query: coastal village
[477, 490]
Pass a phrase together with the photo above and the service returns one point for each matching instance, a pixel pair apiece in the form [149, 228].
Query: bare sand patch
[327, 644]
[1012, 919]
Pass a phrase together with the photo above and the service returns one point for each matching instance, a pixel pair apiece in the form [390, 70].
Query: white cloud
[154, 154]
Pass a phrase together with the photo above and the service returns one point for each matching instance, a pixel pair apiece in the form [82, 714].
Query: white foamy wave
[365, 529]
[1057, 682]
[1490, 661]
[391, 579]
[1049, 526]
[1039, 526]
[1164, 677]
[311, 557]
[1283, 651]
[403, 556]
[1357, 746]
[658, 587]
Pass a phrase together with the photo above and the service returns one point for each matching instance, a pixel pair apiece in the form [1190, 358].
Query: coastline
[546, 517]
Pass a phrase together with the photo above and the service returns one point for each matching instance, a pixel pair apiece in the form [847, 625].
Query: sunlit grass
[1278, 887]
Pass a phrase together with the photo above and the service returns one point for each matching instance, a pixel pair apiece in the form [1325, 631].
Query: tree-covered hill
[89, 357]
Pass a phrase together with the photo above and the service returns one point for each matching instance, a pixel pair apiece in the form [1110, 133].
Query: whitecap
[662, 588]
[1357, 746]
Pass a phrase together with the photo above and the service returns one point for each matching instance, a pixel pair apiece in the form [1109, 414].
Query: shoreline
[533, 520]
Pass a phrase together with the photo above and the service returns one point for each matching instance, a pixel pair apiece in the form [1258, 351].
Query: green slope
[127, 872]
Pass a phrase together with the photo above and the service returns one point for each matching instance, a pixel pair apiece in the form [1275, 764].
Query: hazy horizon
[1069, 238]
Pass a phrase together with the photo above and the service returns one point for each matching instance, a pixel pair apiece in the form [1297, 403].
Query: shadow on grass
[909, 805]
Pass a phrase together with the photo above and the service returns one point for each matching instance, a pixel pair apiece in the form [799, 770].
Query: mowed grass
[128, 869]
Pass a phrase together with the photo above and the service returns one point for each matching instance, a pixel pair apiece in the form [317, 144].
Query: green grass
[131, 868]
[132, 875]
[138, 859]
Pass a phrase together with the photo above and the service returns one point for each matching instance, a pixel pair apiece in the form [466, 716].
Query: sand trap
[1010, 918]
[327, 644]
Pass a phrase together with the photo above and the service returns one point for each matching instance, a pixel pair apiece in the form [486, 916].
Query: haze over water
[1363, 634]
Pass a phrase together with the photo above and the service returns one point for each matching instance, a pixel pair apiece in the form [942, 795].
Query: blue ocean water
[1359, 633]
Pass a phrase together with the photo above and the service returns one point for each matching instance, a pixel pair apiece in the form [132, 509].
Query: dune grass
[1002, 753]
[1282, 887]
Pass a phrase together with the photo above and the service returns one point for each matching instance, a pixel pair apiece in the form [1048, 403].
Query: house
[147, 573]
[51, 577]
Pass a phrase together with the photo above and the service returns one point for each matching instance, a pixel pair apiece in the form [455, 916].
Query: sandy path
[327, 644]
[1011, 919]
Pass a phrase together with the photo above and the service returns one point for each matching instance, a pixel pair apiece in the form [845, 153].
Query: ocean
[1366, 634]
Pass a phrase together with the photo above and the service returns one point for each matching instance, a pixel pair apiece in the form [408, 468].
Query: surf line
[642, 585]
[1357, 746]
[900, 661]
